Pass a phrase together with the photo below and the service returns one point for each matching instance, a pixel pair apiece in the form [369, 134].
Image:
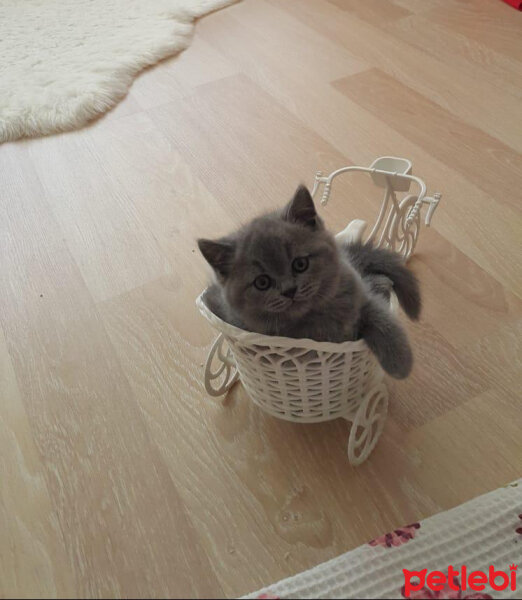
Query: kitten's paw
[387, 339]
[398, 364]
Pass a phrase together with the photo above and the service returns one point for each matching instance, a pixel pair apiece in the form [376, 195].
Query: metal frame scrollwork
[398, 223]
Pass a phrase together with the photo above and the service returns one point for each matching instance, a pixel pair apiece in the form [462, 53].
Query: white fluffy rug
[62, 62]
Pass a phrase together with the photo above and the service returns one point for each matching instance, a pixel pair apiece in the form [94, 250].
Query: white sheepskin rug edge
[65, 62]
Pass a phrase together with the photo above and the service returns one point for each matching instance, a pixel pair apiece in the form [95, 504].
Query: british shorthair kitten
[284, 274]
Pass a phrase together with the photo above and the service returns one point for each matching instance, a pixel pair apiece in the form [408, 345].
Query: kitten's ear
[301, 209]
[219, 254]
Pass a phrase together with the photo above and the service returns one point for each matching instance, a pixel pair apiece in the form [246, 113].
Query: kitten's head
[278, 267]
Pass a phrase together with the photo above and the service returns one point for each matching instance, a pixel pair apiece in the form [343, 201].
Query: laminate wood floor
[118, 475]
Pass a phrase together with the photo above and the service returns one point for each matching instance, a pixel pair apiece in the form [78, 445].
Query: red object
[514, 3]
[397, 537]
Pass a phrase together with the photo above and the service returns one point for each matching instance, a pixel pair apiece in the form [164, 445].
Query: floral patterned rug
[469, 552]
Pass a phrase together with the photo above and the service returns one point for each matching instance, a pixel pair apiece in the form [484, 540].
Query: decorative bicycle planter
[305, 381]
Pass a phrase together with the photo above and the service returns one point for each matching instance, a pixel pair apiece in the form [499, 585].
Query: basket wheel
[367, 424]
[220, 371]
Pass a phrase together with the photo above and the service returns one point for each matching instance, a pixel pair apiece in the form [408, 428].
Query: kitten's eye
[262, 282]
[300, 264]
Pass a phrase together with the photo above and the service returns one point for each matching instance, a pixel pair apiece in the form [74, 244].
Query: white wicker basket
[307, 381]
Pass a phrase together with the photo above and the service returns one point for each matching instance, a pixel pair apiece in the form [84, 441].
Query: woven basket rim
[249, 337]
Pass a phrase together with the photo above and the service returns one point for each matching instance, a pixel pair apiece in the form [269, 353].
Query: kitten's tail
[378, 261]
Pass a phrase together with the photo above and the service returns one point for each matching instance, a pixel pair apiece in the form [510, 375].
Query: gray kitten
[284, 274]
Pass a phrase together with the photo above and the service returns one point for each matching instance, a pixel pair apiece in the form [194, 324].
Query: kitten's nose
[290, 292]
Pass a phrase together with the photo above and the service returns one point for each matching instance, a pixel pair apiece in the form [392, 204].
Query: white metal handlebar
[421, 198]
